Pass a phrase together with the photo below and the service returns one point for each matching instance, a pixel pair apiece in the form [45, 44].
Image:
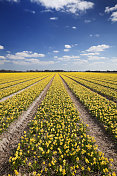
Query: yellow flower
[82, 168]
[64, 172]
[113, 174]
[16, 172]
[88, 168]
[60, 168]
[34, 173]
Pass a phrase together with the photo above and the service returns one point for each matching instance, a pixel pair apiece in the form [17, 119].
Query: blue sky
[58, 34]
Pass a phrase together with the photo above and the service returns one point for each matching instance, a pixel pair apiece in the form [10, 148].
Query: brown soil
[10, 138]
[5, 98]
[105, 141]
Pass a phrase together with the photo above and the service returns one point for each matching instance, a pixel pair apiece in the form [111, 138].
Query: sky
[71, 35]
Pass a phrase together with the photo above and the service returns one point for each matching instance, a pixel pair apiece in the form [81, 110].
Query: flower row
[12, 108]
[10, 90]
[98, 106]
[105, 90]
[56, 142]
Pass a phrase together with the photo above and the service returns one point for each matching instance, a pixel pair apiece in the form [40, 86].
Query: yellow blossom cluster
[98, 106]
[13, 107]
[10, 79]
[12, 89]
[108, 89]
[56, 142]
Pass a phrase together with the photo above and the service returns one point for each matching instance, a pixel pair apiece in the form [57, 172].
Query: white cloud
[32, 62]
[91, 35]
[15, 57]
[1, 47]
[54, 18]
[55, 51]
[66, 50]
[114, 17]
[74, 27]
[68, 58]
[2, 57]
[24, 54]
[87, 21]
[98, 48]
[96, 58]
[89, 54]
[94, 35]
[110, 9]
[55, 57]
[67, 46]
[13, 0]
[71, 6]
[80, 62]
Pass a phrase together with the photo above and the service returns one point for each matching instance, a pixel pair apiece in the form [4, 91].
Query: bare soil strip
[107, 97]
[105, 142]
[5, 98]
[10, 138]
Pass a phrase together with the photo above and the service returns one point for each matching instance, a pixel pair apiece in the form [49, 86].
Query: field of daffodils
[56, 141]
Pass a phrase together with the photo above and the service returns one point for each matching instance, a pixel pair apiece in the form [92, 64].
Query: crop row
[56, 142]
[102, 77]
[103, 90]
[16, 88]
[98, 106]
[5, 85]
[99, 82]
[11, 77]
[12, 108]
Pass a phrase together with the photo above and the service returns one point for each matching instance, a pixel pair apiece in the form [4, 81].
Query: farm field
[56, 140]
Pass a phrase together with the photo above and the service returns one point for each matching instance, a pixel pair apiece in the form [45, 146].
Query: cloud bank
[71, 6]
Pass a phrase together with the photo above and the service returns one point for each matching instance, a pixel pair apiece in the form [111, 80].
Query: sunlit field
[56, 141]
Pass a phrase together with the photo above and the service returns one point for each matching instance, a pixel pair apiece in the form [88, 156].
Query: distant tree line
[96, 71]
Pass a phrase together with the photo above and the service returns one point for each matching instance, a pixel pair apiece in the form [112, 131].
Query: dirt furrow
[10, 138]
[107, 97]
[105, 142]
[5, 98]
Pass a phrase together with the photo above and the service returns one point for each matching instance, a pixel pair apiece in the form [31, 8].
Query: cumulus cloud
[114, 17]
[74, 27]
[98, 48]
[24, 54]
[87, 21]
[96, 58]
[1, 47]
[110, 9]
[55, 51]
[67, 58]
[89, 54]
[13, 0]
[71, 6]
[2, 57]
[66, 50]
[67, 46]
[80, 62]
[94, 35]
[54, 18]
